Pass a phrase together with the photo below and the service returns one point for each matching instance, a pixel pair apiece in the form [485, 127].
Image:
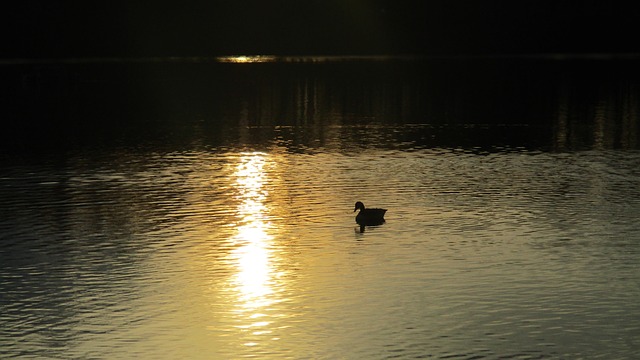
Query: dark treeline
[55, 28]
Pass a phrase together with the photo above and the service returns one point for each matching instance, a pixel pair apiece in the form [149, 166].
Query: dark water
[204, 210]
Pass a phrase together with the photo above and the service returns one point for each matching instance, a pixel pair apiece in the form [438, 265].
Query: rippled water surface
[249, 248]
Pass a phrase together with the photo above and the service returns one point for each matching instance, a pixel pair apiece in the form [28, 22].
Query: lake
[203, 208]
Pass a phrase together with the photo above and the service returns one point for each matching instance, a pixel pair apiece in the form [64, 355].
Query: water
[228, 231]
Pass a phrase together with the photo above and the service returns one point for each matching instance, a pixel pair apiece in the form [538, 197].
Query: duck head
[359, 205]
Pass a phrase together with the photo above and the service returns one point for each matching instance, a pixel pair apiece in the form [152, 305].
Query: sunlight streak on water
[254, 280]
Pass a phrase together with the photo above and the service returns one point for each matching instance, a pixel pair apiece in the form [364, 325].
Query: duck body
[369, 216]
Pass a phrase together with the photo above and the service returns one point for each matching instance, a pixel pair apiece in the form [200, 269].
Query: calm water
[211, 217]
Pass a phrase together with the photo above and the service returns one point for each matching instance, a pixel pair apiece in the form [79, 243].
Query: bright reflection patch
[254, 278]
[254, 269]
[247, 59]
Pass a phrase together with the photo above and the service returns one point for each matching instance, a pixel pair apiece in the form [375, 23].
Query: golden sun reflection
[254, 278]
[247, 59]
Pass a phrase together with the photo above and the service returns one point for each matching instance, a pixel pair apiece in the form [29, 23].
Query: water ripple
[504, 254]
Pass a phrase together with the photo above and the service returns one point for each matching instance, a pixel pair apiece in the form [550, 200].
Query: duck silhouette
[369, 216]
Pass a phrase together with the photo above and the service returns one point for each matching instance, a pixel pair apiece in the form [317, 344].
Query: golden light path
[254, 279]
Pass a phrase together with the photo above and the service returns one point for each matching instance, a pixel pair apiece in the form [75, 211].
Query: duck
[369, 216]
